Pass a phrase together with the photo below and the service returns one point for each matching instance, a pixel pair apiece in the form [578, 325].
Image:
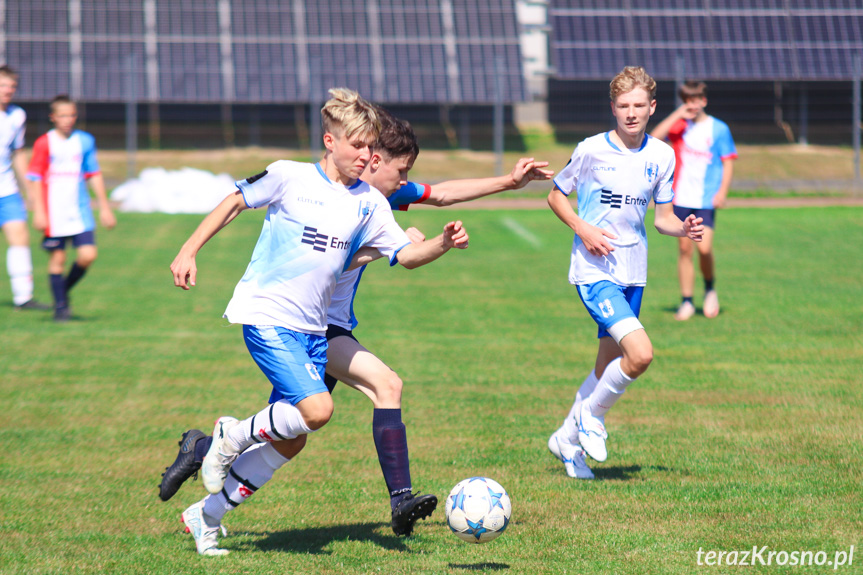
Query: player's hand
[693, 228]
[527, 170]
[40, 221]
[107, 218]
[719, 201]
[595, 241]
[687, 111]
[455, 236]
[415, 236]
[185, 271]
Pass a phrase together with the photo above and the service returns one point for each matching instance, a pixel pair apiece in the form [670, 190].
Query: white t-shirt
[614, 187]
[312, 230]
[12, 124]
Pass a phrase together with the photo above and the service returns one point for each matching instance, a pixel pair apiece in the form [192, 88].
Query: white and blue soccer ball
[478, 509]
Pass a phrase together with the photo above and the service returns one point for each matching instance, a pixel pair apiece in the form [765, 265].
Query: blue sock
[391, 442]
[202, 447]
[58, 288]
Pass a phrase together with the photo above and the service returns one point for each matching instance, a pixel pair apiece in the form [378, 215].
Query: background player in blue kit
[347, 360]
[614, 175]
[705, 154]
[318, 216]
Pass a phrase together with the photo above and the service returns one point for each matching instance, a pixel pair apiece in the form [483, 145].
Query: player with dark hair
[63, 162]
[705, 154]
[349, 361]
[615, 175]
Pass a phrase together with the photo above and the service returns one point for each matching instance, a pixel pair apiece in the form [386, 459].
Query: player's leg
[564, 444]
[19, 262]
[685, 271]
[351, 363]
[707, 265]
[56, 248]
[300, 402]
[86, 253]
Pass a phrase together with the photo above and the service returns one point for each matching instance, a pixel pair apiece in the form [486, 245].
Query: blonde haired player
[318, 216]
[614, 175]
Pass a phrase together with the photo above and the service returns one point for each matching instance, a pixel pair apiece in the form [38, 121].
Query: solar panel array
[264, 51]
[716, 39]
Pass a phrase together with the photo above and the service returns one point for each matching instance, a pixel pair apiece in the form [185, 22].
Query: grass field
[746, 431]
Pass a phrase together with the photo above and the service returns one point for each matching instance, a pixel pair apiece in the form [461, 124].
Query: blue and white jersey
[341, 312]
[614, 187]
[12, 124]
[312, 230]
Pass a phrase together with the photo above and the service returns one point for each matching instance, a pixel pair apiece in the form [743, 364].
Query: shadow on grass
[313, 540]
[626, 473]
[479, 566]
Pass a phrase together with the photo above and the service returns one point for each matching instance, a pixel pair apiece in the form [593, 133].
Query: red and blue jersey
[64, 165]
[699, 148]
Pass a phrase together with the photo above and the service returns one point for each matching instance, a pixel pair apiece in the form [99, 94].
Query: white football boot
[220, 456]
[711, 304]
[206, 537]
[571, 454]
[591, 433]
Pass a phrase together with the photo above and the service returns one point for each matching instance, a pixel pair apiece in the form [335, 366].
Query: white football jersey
[614, 187]
[12, 124]
[312, 230]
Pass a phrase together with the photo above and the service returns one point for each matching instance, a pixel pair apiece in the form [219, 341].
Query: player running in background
[63, 161]
[615, 175]
[705, 154]
[13, 210]
[349, 361]
[318, 215]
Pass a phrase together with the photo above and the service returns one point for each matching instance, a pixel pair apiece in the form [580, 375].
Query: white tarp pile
[185, 191]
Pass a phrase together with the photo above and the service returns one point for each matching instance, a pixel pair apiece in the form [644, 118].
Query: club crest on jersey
[365, 208]
[651, 171]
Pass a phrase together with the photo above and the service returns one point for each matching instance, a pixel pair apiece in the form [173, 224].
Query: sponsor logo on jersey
[596, 168]
[651, 171]
[320, 242]
[610, 198]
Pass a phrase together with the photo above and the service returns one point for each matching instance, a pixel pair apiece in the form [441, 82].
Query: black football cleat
[410, 510]
[34, 305]
[183, 467]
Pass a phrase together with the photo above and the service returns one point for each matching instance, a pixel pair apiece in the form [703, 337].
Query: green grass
[745, 431]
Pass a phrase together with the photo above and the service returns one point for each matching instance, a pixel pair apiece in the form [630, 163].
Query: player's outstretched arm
[667, 223]
[106, 214]
[457, 191]
[594, 238]
[419, 254]
[366, 255]
[183, 267]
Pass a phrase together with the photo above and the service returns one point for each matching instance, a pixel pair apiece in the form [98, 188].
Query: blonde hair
[630, 78]
[346, 112]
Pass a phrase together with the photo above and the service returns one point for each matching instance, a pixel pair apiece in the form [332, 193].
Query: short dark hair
[60, 99]
[9, 72]
[397, 137]
[692, 89]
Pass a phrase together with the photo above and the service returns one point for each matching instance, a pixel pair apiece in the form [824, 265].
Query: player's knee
[317, 413]
[84, 259]
[641, 359]
[391, 390]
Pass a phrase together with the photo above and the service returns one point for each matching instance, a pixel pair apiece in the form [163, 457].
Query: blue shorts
[613, 307]
[59, 243]
[708, 215]
[12, 209]
[293, 362]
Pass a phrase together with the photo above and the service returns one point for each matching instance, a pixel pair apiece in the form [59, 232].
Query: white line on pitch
[522, 232]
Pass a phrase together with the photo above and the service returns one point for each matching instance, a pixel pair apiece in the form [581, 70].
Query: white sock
[570, 424]
[250, 472]
[280, 420]
[20, 268]
[608, 390]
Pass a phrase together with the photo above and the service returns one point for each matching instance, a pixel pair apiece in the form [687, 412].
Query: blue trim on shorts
[51, 244]
[707, 214]
[608, 303]
[293, 362]
[12, 209]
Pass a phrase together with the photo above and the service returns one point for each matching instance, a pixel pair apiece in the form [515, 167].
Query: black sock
[202, 447]
[75, 274]
[687, 300]
[391, 442]
[58, 288]
[708, 285]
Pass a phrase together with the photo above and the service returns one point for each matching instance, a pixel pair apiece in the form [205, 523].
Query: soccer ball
[478, 509]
